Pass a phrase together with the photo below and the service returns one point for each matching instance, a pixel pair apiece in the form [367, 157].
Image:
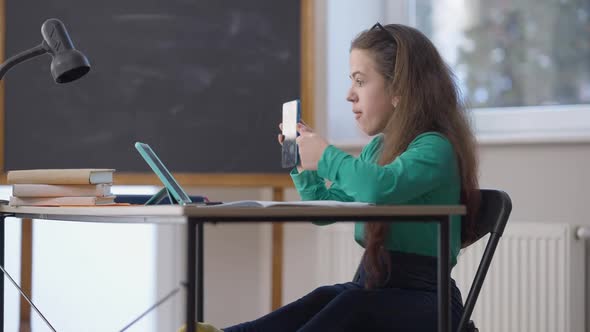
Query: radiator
[536, 281]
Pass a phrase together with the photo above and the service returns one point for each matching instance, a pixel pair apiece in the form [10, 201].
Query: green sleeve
[312, 187]
[425, 165]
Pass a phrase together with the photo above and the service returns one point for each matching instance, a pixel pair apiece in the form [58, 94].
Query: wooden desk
[195, 216]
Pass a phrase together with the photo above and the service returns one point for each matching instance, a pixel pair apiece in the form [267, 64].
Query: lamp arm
[23, 56]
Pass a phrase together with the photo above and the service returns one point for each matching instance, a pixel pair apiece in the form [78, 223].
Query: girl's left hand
[311, 147]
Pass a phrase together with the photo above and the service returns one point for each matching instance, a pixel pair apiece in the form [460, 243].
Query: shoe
[202, 327]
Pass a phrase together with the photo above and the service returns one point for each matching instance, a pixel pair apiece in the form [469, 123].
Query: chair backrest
[493, 213]
[494, 210]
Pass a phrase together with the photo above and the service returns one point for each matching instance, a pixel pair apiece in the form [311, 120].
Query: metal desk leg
[2, 228]
[200, 271]
[191, 275]
[194, 265]
[444, 272]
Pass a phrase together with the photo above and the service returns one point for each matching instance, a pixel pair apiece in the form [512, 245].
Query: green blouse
[426, 173]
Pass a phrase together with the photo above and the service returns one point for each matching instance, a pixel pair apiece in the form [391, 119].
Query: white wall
[547, 182]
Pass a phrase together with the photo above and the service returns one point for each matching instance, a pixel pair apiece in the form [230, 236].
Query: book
[58, 190]
[247, 203]
[60, 201]
[61, 176]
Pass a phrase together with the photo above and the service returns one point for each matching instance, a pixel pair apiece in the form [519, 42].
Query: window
[523, 65]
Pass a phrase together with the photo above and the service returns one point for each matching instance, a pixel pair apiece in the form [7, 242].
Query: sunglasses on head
[378, 26]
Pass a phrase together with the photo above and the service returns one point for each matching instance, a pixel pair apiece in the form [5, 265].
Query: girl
[423, 152]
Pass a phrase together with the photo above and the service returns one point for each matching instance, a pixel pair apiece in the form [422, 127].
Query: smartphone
[291, 117]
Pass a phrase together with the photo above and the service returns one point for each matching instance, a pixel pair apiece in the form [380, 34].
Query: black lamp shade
[68, 66]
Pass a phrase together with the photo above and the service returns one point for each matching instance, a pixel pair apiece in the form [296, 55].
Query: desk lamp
[67, 65]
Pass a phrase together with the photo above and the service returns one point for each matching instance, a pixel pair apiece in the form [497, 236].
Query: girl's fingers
[306, 125]
[302, 128]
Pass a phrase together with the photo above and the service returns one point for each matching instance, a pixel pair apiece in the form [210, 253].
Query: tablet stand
[160, 196]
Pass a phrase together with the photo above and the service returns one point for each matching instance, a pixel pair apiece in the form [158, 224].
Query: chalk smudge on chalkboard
[235, 24]
[100, 137]
[144, 72]
[200, 77]
[143, 17]
[176, 109]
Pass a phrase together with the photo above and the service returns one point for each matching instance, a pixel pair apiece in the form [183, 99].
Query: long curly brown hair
[428, 101]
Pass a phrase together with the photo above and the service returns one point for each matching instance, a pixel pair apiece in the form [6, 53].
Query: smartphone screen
[291, 116]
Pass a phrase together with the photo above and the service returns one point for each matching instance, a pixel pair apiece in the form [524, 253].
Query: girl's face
[371, 104]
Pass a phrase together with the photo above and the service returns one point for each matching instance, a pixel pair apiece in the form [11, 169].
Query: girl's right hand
[281, 137]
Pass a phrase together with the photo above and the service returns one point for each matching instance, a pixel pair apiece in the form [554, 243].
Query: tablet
[170, 184]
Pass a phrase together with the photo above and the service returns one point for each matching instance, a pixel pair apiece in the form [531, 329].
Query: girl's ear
[395, 101]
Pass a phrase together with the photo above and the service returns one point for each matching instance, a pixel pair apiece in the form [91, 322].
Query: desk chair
[494, 210]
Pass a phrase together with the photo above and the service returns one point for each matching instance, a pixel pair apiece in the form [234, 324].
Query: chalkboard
[202, 82]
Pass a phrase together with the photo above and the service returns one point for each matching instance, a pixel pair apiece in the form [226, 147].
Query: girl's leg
[294, 315]
[382, 310]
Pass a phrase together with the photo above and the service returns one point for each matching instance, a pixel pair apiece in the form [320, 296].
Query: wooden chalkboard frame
[204, 179]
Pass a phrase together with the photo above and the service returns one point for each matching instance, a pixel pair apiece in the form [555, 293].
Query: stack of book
[61, 187]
